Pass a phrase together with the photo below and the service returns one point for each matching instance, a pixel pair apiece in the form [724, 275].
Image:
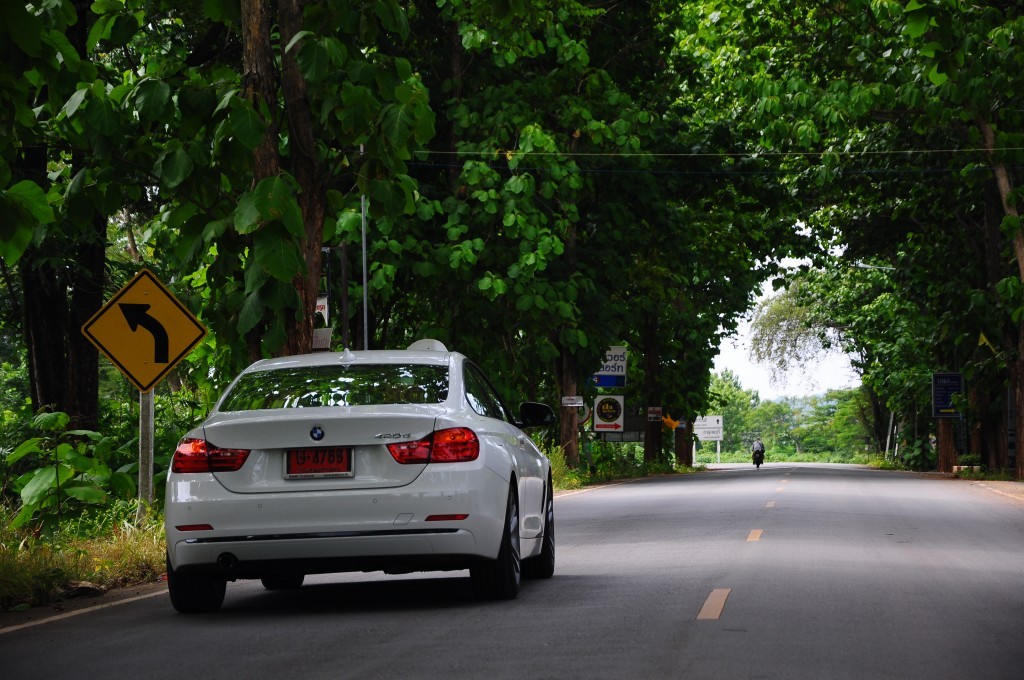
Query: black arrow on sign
[136, 315]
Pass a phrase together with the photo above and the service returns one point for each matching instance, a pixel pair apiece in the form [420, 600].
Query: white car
[393, 461]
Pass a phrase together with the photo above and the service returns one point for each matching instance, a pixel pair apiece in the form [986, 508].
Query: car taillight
[454, 445]
[198, 455]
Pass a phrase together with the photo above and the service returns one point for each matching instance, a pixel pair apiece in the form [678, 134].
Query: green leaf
[15, 237]
[314, 61]
[39, 486]
[938, 78]
[24, 28]
[124, 28]
[87, 493]
[151, 99]
[79, 462]
[23, 449]
[273, 196]
[251, 313]
[296, 38]
[247, 126]
[174, 168]
[74, 102]
[51, 421]
[277, 253]
[31, 198]
[917, 23]
[61, 44]
[99, 31]
[123, 485]
[247, 214]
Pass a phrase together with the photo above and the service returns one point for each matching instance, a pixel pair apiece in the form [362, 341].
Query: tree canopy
[539, 180]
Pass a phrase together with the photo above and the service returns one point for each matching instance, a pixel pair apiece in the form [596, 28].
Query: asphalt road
[785, 572]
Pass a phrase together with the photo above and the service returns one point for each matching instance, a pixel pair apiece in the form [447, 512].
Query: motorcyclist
[757, 452]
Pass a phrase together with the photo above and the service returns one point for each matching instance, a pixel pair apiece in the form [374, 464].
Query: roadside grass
[708, 457]
[97, 551]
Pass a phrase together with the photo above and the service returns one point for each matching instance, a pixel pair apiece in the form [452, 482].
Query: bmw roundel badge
[317, 433]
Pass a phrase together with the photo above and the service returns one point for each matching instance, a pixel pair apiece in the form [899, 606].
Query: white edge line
[68, 615]
[595, 487]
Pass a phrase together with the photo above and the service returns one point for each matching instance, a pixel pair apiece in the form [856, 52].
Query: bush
[106, 547]
[562, 476]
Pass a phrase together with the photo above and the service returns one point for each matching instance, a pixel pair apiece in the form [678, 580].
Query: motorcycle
[758, 459]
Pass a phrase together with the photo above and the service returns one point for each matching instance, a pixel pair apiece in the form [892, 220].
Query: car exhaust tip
[227, 561]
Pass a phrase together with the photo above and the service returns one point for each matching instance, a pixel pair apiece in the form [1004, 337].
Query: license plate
[318, 462]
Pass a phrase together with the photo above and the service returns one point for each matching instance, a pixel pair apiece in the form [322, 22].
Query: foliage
[918, 455]
[107, 547]
[562, 476]
[826, 428]
[71, 470]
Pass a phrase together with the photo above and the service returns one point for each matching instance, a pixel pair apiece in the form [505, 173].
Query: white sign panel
[322, 309]
[708, 428]
[609, 414]
[572, 402]
[613, 368]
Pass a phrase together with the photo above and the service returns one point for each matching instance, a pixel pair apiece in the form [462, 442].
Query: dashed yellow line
[770, 504]
[754, 535]
[713, 606]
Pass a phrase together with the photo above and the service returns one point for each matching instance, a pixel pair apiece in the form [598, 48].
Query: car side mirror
[533, 414]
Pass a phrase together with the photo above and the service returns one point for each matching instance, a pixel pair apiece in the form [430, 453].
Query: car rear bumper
[358, 530]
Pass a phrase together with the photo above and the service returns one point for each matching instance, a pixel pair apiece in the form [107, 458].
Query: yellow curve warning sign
[144, 330]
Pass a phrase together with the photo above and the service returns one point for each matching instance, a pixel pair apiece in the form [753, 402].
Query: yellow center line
[755, 535]
[770, 504]
[784, 481]
[781, 489]
[713, 606]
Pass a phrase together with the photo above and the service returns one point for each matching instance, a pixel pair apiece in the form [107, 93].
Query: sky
[832, 371]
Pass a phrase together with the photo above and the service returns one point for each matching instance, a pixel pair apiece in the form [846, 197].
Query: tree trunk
[570, 426]
[307, 171]
[58, 300]
[652, 389]
[1017, 384]
[946, 445]
[684, 446]
[259, 82]
[1016, 364]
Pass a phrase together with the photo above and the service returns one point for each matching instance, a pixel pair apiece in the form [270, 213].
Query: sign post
[145, 331]
[709, 429]
[609, 413]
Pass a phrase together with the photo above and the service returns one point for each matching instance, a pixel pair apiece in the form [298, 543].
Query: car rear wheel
[499, 579]
[283, 581]
[543, 565]
[195, 593]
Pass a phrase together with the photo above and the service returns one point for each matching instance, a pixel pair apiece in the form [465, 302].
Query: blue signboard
[944, 387]
[609, 380]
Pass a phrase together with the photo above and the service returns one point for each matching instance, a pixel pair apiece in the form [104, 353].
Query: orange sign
[144, 330]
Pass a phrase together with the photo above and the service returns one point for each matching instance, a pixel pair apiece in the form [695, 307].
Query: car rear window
[354, 385]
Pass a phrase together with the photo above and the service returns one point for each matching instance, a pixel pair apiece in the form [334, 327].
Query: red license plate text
[319, 462]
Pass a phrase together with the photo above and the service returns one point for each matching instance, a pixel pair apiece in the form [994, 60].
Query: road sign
[144, 330]
[572, 402]
[609, 414]
[613, 370]
[708, 428]
[653, 413]
[944, 387]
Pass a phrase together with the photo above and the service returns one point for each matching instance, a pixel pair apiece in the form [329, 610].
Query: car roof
[377, 356]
